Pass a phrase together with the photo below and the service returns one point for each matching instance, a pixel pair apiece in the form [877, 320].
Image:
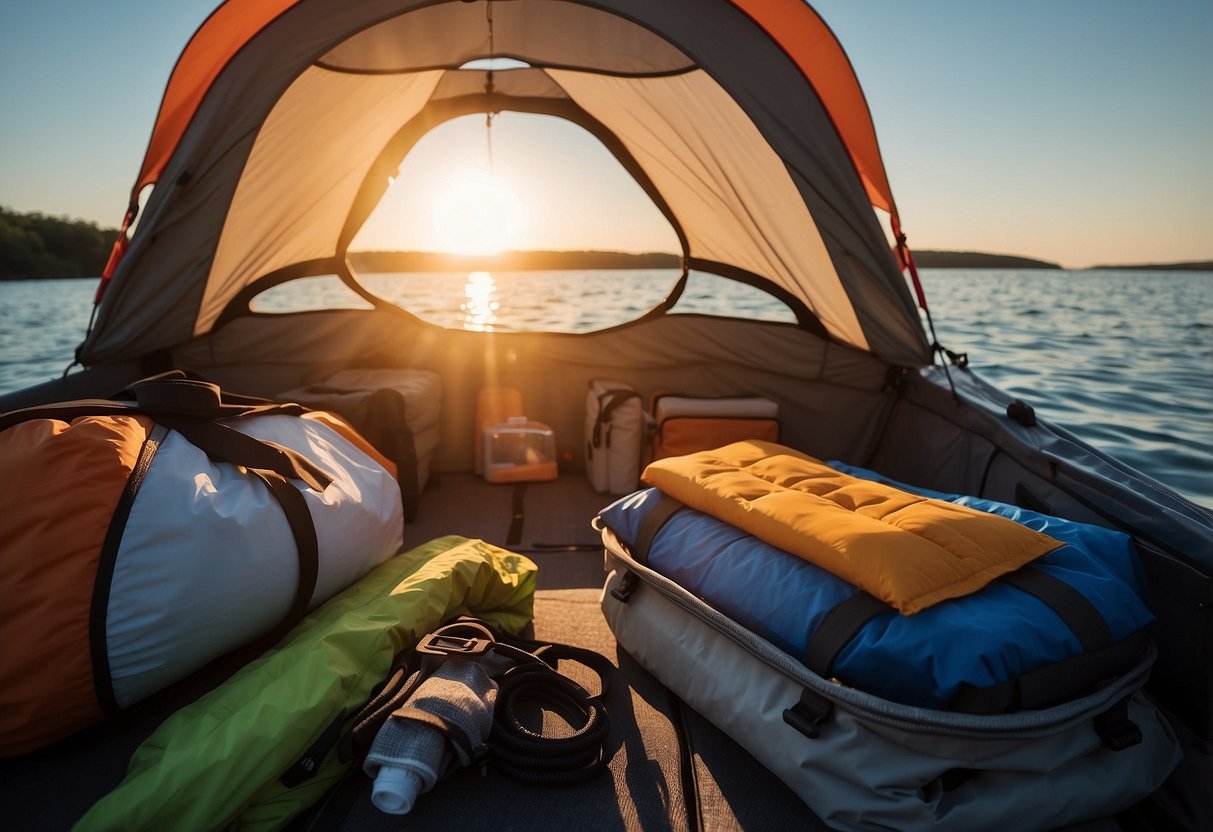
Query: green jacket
[215, 764]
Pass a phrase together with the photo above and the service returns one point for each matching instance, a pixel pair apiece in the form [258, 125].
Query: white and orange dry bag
[143, 538]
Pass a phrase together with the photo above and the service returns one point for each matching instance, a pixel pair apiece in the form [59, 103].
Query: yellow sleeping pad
[909, 551]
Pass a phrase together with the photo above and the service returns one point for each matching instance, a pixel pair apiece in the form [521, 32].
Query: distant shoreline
[387, 262]
[930, 259]
[528, 261]
[430, 261]
[38, 247]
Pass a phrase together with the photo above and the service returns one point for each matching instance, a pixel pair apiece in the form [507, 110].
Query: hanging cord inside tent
[488, 84]
[488, 139]
[959, 359]
[88, 330]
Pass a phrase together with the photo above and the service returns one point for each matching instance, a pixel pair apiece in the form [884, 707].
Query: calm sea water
[1123, 359]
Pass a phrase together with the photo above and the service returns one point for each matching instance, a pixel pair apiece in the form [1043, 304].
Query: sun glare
[480, 310]
[477, 213]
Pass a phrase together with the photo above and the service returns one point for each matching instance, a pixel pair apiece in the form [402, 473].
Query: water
[1123, 359]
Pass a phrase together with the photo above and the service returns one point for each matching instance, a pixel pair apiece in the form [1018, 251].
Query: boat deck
[549, 522]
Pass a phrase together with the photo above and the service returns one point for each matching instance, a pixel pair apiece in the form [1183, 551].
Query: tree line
[38, 246]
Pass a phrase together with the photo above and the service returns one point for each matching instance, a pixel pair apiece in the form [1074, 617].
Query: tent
[283, 121]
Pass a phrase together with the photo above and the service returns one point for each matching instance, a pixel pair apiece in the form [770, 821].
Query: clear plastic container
[494, 406]
[519, 450]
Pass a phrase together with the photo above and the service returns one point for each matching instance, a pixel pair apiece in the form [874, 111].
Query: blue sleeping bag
[937, 658]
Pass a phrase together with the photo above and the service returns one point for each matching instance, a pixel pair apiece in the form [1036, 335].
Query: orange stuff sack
[686, 425]
[131, 557]
[50, 560]
[909, 551]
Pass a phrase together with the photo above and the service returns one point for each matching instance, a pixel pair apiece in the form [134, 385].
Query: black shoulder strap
[273, 464]
[157, 397]
[107, 560]
[303, 530]
[608, 402]
[225, 444]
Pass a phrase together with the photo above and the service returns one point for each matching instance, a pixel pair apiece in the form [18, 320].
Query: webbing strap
[220, 442]
[608, 402]
[651, 525]
[176, 391]
[517, 515]
[1074, 608]
[838, 627]
[303, 529]
[158, 398]
[224, 444]
[1054, 682]
[98, 637]
[1100, 659]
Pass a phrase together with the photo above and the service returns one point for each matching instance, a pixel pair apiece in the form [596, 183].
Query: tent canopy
[283, 120]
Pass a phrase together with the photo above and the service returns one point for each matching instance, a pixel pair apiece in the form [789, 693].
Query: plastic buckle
[1115, 729]
[627, 585]
[437, 644]
[809, 714]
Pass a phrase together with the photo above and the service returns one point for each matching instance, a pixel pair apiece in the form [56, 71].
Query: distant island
[928, 259]
[1198, 266]
[37, 246]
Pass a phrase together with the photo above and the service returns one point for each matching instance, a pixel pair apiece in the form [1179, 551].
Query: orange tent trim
[814, 48]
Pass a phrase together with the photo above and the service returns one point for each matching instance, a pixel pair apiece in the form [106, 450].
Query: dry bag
[145, 536]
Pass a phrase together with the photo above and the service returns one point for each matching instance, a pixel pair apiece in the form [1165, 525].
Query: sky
[1075, 131]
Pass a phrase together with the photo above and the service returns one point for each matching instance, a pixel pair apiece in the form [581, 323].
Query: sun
[477, 213]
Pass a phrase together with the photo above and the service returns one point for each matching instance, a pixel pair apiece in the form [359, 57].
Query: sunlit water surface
[1123, 359]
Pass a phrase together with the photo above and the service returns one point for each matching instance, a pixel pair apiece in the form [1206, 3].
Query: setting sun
[477, 213]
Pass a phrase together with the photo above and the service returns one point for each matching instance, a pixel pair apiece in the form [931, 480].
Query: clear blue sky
[1078, 131]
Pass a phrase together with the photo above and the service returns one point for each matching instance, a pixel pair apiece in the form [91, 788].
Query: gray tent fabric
[265, 176]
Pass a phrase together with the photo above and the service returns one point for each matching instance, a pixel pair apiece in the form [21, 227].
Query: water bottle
[408, 755]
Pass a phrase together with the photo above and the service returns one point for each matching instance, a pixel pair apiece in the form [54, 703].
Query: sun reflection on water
[480, 310]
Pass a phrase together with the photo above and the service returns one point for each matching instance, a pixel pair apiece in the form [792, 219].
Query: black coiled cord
[529, 757]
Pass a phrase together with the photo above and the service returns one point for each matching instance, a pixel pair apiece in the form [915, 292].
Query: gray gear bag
[862, 762]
